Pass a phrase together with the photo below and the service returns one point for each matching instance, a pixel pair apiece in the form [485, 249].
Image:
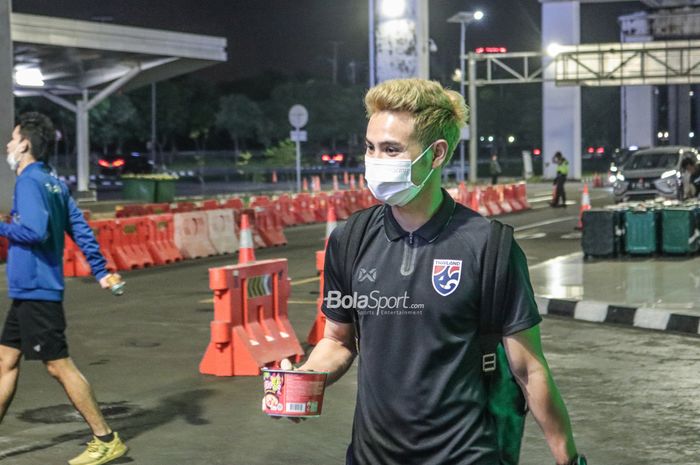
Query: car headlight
[620, 177]
[667, 185]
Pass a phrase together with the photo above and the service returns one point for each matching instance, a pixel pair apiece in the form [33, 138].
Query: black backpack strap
[494, 289]
[352, 237]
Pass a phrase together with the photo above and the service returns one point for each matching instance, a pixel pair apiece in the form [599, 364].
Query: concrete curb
[637, 317]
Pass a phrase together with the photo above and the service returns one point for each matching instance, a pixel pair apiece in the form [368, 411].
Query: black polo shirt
[421, 398]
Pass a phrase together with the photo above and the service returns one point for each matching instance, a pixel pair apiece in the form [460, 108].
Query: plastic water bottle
[116, 285]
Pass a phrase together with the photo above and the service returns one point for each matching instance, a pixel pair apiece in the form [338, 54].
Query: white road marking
[545, 223]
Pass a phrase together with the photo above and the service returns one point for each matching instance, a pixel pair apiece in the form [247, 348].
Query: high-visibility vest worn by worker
[563, 168]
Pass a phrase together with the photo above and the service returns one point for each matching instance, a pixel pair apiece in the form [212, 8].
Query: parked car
[113, 165]
[652, 173]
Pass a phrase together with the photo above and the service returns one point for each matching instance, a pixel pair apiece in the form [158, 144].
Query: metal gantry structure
[605, 64]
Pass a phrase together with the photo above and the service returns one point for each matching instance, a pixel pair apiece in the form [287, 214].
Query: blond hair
[438, 113]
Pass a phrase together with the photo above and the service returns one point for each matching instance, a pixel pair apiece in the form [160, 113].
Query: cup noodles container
[293, 393]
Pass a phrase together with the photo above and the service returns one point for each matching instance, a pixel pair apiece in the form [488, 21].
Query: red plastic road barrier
[511, 200]
[521, 195]
[259, 201]
[316, 332]
[319, 206]
[183, 207]
[283, 208]
[319, 326]
[129, 243]
[251, 326]
[258, 240]
[222, 230]
[339, 202]
[501, 196]
[161, 239]
[192, 235]
[210, 204]
[74, 262]
[353, 201]
[477, 202]
[157, 208]
[491, 201]
[303, 209]
[367, 199]
[104, 233]
[234, 202]
[269, 226]
[127, 211]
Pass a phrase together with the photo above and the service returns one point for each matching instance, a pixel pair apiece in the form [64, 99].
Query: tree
[112, 121]
[281, 155]
[240, 117]
[200, 99]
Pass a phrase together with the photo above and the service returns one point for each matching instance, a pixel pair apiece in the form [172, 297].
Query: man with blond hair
[415, 300]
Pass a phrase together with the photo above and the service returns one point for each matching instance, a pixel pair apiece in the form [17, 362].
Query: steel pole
[473, 136]
[298, 165]
[372, 58]
[462, 36]
[7, 102]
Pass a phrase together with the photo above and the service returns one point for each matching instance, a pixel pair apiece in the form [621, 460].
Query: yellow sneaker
[98, 452]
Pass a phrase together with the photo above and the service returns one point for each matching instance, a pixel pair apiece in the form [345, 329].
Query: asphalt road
[633, 395]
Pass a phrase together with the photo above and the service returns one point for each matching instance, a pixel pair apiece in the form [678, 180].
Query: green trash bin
[165, 190]
[641, 232]
[679, 230]
[140, 189]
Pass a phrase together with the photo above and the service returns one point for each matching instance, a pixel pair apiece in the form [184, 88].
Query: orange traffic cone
[331, 222]
[274, 177]
[362, 182]
[345, 178]
[585, 206]
[352, 182]
[305, 185]
[246, 253]
[317, 184]
[335, 183]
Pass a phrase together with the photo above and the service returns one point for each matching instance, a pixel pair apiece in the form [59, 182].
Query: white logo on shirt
[37, 348]
[370, 275]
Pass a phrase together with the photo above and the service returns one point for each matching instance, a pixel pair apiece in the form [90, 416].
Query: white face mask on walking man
[391, 182]
[15, 154]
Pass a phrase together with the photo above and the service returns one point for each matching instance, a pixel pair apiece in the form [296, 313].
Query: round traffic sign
[298, 116]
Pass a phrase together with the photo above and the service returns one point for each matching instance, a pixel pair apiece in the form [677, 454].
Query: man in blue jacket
[35, 325]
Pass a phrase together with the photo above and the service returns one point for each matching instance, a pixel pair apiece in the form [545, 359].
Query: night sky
[294, 37]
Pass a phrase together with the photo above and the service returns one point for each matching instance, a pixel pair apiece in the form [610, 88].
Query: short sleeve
[521, 308]
[333, 279]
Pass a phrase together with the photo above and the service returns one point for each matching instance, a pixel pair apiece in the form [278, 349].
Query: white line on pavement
[545, 223]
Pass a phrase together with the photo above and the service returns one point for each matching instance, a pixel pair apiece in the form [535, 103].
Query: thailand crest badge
[446, 275]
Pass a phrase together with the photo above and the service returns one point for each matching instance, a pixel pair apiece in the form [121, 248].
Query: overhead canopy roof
[77, 55]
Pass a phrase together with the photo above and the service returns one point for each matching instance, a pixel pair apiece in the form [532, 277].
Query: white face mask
[14, 158]
[390, 180]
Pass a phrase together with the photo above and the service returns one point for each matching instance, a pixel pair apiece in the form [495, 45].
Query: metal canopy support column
[561, 106]
[83, 137]
[473, 128]
[82, 122]
[7, 107]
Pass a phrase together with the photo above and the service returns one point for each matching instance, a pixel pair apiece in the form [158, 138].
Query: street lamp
[464, 18]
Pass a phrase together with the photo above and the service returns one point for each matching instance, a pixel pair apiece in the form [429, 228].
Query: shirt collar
[430, 230]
